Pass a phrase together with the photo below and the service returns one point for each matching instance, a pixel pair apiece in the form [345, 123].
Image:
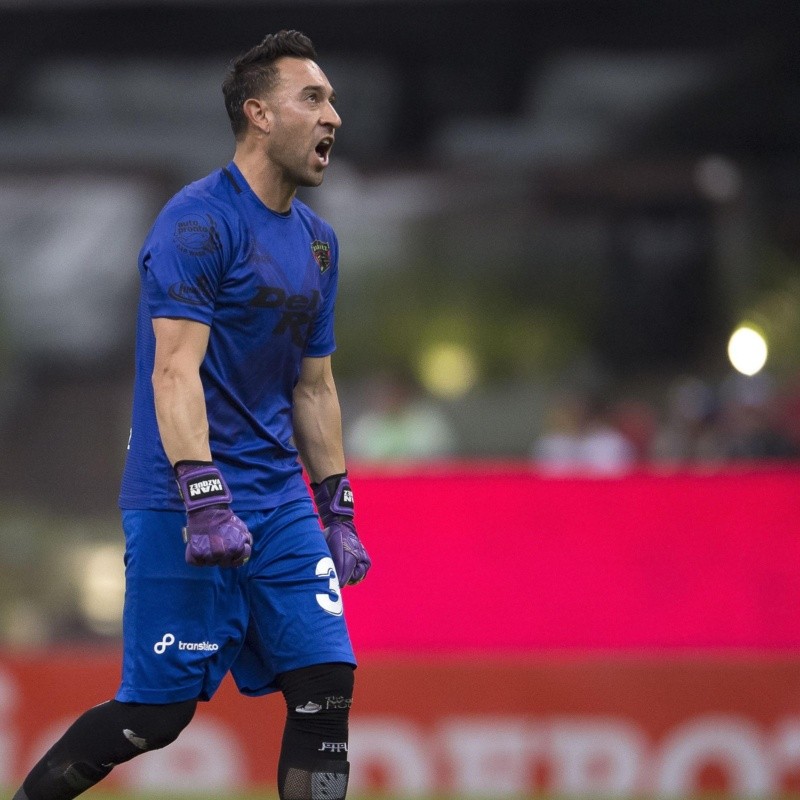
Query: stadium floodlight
[747, 349]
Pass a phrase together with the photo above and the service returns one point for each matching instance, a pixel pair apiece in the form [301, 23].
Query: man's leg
[313, 762]
[298, 643]
[97, 741]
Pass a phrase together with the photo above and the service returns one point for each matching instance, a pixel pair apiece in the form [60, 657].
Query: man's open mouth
[323, 149]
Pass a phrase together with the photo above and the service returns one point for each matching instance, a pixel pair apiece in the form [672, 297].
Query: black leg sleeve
[313, 763]
[98, 740]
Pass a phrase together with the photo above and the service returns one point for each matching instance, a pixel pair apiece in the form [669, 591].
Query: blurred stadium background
[554, 216]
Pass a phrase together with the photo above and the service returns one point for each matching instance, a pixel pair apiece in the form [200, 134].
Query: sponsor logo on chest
[297, 311]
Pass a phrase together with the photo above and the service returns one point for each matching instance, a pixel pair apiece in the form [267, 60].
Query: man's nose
[331, 117]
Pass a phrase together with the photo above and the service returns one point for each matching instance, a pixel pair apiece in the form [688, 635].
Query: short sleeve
[184, 260]
[322, 341]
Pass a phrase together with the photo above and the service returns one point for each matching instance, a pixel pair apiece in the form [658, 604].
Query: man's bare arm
[179, 400]
[318, 420]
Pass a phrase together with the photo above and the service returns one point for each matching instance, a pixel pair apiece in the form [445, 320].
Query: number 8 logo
[326, 569]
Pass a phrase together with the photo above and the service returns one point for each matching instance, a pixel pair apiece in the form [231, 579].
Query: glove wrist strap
[201, 485]
[334, 498]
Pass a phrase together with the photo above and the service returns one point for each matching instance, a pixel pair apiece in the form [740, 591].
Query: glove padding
[334, 499]
[349, 556]
[214, 535]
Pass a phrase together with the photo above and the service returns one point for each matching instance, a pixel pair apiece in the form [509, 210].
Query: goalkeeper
[227, 565]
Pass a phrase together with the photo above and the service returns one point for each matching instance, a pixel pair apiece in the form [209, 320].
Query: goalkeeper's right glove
[214, 535]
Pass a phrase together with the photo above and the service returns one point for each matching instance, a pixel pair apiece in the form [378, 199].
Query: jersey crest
[322, 254]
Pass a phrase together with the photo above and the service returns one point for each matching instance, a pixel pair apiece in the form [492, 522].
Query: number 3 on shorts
[325, 568]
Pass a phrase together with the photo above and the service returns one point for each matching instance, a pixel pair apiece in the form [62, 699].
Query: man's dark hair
[254, 74]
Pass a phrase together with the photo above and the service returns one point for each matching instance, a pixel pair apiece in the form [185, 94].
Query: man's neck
[262, 177]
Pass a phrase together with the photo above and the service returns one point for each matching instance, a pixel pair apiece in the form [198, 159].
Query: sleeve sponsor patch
[197, 235]
[193, 294]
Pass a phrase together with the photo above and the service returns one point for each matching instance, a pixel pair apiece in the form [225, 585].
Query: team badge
[322, 254]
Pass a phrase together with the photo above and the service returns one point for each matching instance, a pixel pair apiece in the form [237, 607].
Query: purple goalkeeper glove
[334, 499]
[214, 535]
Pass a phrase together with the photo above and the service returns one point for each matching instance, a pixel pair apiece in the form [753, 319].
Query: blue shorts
[185, 627]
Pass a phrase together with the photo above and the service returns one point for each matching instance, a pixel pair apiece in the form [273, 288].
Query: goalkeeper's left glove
[334, 499]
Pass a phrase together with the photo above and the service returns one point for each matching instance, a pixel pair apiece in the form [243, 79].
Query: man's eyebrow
[318, 87]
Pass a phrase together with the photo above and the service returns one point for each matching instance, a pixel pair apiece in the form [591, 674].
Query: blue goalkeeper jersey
[265, 283]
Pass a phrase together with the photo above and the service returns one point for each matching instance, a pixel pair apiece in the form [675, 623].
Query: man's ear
[257, 114]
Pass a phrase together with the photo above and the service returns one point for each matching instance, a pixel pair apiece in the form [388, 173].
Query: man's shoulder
[204, 205]
[206, 194]
[199, 219]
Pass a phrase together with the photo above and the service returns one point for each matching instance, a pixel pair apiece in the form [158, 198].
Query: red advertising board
[520, 634]
[505, 560]
[584, 724]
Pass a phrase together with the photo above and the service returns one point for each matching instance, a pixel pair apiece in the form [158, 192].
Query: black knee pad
[150, 727]
[98, 740]
[318, 701]
[313, 763]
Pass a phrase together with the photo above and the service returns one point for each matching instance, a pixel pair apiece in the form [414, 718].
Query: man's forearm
[181, 414]
[318, 434]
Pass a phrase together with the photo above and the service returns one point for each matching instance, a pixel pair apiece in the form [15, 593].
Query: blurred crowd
[738, 419]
